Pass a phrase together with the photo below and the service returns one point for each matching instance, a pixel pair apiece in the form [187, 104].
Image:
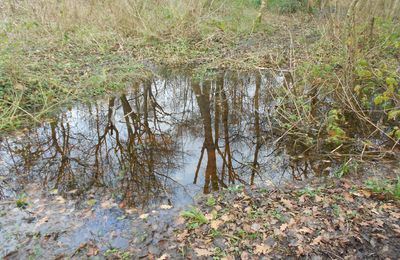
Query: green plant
[218, 253]
[377, 185]
[236, 188]
[215, 233]
[385, 186]
[21, 201]
[336, 210]
[309, 191]
[117, 253]
[276, 214]
[336, 134]
[195, 217]
[211, 201]
[346, 168]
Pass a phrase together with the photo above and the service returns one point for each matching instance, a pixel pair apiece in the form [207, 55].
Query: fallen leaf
[395, 215]
[226, 217]
[317, 240]
[305, 230]
[348, 197]
[284, 227]
[165, 207]
[388, 206]
[60, 199]
[164, 257]
[203, 252]
[144, 216]
[92, 251]
[216, 223]
[379, 223]
[366, 193]
[318, 198]
[262, 249]
[287, 203]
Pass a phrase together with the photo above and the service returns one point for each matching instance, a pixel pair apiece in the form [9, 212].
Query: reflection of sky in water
[177, 118]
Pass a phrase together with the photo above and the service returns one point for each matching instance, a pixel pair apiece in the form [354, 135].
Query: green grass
[195, 217]
[385, 186]
[22, 201]
[211, 201]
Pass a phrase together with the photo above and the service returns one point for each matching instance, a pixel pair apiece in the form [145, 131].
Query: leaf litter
[338, 219]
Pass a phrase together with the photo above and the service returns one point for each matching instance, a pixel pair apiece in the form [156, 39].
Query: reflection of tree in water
[222, 148]
[125, 154]
[131, 143]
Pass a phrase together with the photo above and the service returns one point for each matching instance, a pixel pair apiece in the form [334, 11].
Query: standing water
[115, 172]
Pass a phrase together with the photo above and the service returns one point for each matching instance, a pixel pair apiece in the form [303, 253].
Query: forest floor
[338, 219]
[323, 219]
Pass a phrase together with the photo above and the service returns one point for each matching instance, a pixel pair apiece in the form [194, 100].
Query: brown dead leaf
[302, 198]
[237, 206]
[183, 235]
[379, 223]
[348, 197]
[60, 199]
[226, 217]
[317, 240]
[208, 216]
[299, 251]
[92, 250]
[165, 206]
[318, 198]
[164, 257]
[284, 227]
[203, 252]
[388, 206]
[287, 203]
[366, 193]
[396, 215]
[278, 232]
[381, 236]
[216, 223]
[262, 249]
[306, 230]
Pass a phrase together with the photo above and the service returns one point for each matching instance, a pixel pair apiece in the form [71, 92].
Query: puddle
[162, 140]
[100, 165]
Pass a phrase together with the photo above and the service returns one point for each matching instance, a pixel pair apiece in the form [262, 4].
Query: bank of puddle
[114, 173]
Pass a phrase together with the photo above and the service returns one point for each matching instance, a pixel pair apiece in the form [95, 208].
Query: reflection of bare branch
[199, 164]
